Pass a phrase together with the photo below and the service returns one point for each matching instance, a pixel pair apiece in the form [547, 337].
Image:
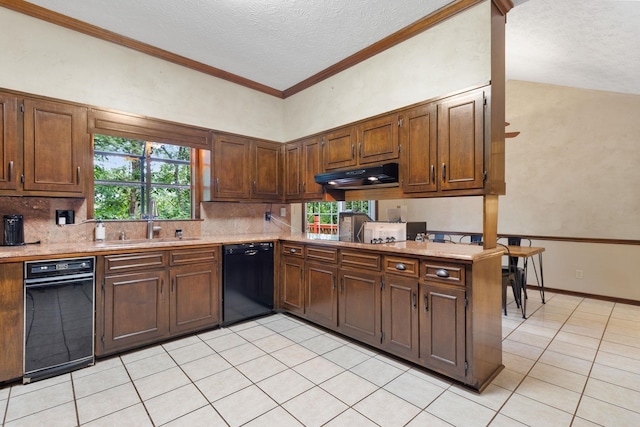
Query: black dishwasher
[247, 281]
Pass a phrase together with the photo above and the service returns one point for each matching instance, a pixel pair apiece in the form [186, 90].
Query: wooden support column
[490, 220]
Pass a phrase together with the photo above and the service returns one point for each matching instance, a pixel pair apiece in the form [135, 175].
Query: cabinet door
[292, 173]
[359, 306]
[9, 162]
[194, 297]
[292, 284]
[231, 168]
[442, 329]
[266, 171]
[311, 166]
[378, 139]
[461, 141]
[400, 320]
[56, 147]
[11, 320]
[418, 158]
[321, 302]
[339, 149]
[135, 310]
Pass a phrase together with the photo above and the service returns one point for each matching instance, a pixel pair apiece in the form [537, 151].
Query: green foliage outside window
[129, 173]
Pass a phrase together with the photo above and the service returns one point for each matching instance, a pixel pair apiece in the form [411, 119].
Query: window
[322, 217]
[129, 173]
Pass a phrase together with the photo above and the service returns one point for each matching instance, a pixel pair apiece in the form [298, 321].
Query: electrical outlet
[267, 216]
[579, 274]
[283, 212]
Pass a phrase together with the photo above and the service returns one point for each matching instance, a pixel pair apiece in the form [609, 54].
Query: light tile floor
[574, 361]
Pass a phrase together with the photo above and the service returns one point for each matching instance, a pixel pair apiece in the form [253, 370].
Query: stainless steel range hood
[355, 179]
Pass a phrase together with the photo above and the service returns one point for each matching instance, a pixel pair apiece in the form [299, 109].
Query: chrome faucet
[153, 213]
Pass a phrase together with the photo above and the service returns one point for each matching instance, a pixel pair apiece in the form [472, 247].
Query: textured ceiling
[582, 43]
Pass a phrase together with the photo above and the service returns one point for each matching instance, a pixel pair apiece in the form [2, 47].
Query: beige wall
[454, 55]
[572, 172]
[45, 59]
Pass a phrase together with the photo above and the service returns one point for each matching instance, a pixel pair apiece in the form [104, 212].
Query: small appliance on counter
[415, 228]
[350, 226]
[13, 230]
[384, 232]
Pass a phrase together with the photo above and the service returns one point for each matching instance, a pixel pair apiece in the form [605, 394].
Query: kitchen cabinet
[195, 289]
[400, 314]
[371, 141]
[246, 169]
[461, 141]
[443, 145]
[8, 142]
[11, 320]
[150, 296]
[378, 140]
[359, 307]
[292, 278]
[231, 167]
[312, 165]
[265, 173]
[303, 161]
[442, 329]
[135, 305]
[321, 278]
[418, 135]
[53, 156]
[292, 171]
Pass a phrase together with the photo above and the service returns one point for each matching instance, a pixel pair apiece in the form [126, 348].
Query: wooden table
[527, 252]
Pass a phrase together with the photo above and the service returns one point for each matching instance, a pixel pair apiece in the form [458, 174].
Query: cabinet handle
[444, 172]
[11, 171]
[441, 272]
[161, 286]
[173, 285]
[400, 266]
[414, 300]
[78, 175]
[292, 250]
[254, 186]
[433, 173]
[360, 149]
[341, 285]
[333, 284]
[353, 151]
[426, 302]
[217, 185]
[304, 186]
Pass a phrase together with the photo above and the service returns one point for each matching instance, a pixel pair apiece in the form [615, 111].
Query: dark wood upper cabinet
[418, 134]
[461, 141]
[52, 128]
[231, 167]
[378, 139]
[292, 171]
[265, 173]
[339, 148]
[312, 165]
[9, 161]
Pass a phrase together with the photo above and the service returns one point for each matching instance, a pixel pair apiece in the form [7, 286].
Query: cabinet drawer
[322, 254]
[134, 261]
[405, 266]
[193, 256]
[360, 260]
[443, 272]
[292, 249]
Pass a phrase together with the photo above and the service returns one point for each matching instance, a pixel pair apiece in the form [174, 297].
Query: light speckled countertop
[462, 252]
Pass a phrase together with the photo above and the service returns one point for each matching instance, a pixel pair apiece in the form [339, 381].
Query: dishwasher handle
[251, 252]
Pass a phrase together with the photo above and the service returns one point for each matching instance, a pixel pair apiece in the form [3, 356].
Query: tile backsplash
[217, 218]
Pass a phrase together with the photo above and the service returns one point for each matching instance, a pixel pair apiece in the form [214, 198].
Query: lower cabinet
[136, 310]
[147, 297]
[400, 316]
[359, 307]
[195, 299]
[442, 329]
[292, 284]
[11, 320]
[321, 295]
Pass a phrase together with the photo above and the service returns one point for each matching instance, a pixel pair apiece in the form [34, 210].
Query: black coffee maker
[13, 230]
